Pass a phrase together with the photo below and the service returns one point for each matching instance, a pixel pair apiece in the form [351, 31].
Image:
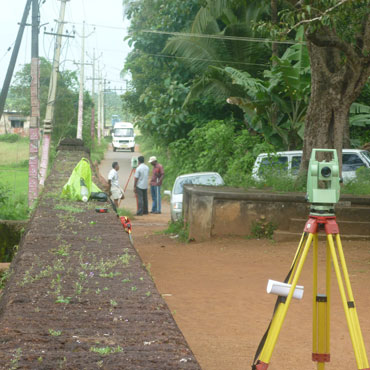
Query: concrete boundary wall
[219, 211]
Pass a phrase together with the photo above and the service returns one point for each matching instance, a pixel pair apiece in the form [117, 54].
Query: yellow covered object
[72, 189]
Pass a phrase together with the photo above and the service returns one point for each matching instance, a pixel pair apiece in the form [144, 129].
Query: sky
[106, 16]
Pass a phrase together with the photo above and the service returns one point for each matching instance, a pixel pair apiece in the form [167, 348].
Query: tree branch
[366, 37]
[320, 17]
[330, 39]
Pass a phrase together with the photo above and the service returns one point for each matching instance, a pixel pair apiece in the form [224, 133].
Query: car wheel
[132, 149]
[114, 149]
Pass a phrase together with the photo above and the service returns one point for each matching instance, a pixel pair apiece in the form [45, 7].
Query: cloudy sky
[106, 16]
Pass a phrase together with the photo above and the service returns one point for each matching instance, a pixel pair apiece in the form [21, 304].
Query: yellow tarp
[72, 189]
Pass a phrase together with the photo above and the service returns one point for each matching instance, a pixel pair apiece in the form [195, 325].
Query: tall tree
[65, 103]
[338, 41]
[219, 28]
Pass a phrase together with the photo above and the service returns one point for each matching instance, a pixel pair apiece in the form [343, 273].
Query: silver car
[199, 178]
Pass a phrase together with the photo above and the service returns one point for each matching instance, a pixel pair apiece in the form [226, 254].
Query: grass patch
[178, 229]
[15, 152]
[122, 211]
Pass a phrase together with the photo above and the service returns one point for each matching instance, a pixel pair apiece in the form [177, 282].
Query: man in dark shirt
[155, 184]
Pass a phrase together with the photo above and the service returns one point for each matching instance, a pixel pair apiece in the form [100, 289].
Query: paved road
[124, 160]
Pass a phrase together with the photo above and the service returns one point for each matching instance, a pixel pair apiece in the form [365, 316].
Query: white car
[199, 178]
[289, 162]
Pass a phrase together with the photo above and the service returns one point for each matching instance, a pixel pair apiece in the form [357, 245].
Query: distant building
[14, 123]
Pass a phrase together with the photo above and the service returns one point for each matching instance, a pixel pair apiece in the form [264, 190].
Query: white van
[123, 136]
[289, 162]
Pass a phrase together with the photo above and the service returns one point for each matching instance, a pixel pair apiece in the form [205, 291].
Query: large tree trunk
[335, 85]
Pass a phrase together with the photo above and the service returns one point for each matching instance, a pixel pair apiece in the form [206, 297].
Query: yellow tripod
[321, 303]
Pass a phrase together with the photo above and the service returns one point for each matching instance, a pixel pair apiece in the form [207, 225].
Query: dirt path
[217, 294]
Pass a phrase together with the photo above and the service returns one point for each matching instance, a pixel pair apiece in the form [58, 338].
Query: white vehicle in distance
[123, 136]
[289, 162]
[199, 178]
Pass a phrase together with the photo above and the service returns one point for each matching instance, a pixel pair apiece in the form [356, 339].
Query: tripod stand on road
[321, 218]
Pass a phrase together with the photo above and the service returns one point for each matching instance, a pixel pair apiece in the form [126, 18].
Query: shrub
[10, 138]
[14, 208]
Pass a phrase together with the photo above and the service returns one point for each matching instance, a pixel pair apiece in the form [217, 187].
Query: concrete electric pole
[94, 59]
[13, 58]
[82, 77]
[33, 169]
[49, 115]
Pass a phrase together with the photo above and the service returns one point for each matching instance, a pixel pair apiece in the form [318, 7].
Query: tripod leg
[281, 311]
[348, 305]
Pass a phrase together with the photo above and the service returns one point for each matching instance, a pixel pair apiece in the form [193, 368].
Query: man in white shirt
[141, 187]
[114, 189]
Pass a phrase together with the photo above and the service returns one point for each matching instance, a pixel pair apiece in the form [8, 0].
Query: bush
[14, 208]
[4, 194]
[218, 146]
[10, 138]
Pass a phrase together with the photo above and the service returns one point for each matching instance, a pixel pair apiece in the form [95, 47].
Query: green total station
[323, 182]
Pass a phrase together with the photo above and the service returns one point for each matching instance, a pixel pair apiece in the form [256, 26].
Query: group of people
[141, 184]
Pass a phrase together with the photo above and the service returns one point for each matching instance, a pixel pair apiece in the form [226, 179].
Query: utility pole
[94, 59]
[103, 108]
[82, 77]
[93, 105]
[35, 108]
[81, 94]
[99, 106]
[13, 58]
[49, 115]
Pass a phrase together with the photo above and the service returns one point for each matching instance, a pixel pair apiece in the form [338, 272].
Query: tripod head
[323, 189]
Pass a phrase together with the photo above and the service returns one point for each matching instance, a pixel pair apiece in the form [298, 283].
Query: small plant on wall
[262, 230]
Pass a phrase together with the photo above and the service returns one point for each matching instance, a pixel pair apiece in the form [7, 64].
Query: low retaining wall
[218, 211]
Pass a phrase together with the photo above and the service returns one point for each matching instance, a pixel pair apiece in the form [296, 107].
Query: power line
[100, 26]
[211, 60]
[223, 37]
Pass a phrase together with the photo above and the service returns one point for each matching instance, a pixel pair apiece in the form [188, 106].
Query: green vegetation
[104, 351]
[55, 333]
[178, 229]
[262, 230]
[360, 185]
[214, 103]
[13, 152]
[97, 151]
[13, 177]
[4, 277]
[122, 211]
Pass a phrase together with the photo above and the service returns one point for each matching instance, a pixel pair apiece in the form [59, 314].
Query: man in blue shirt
[141, 187]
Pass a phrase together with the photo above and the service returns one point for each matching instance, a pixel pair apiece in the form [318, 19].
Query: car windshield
[123, 132]
[197, 180]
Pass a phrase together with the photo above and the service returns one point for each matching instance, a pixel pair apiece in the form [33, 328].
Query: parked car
[289, 162]
[199, 178]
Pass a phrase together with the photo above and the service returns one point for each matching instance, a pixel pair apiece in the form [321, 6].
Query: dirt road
[217, 293]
